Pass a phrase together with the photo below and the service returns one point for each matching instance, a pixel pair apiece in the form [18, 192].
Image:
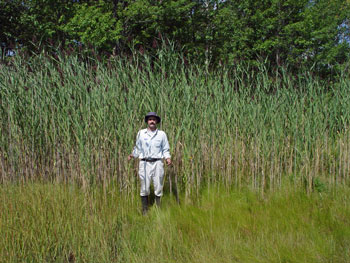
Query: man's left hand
[168, 161]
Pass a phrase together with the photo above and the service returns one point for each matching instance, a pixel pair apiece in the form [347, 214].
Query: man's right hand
[130, 157]
[169, 162]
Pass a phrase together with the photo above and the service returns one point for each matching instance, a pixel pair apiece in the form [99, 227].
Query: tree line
[216, 32]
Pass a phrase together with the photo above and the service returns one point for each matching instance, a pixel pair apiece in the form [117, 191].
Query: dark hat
[152, 114]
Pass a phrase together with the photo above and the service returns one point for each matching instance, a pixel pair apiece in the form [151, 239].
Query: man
[151, 148]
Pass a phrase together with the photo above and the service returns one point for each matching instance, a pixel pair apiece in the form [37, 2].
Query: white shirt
[151, 145]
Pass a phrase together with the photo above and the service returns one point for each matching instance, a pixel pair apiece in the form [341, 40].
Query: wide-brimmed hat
[152, 114]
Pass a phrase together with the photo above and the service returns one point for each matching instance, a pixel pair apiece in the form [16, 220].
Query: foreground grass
[63, 223]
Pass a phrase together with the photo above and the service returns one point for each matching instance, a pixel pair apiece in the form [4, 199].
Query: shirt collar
[149, 132]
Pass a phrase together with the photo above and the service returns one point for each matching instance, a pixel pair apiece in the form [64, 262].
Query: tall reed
[66, 118]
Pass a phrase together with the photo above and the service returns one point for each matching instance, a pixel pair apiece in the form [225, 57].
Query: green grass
[64, 223]
[261, 162]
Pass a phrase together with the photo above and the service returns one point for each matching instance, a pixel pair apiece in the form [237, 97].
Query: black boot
[158, 201]
[144, 201]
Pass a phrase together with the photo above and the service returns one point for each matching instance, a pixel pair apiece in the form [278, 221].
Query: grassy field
[261, 161]
[62, 223]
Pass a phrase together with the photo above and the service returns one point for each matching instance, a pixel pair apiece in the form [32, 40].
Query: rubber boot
[144, 201]
[158, 201]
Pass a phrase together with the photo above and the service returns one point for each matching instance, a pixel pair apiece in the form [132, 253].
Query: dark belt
[151, 159]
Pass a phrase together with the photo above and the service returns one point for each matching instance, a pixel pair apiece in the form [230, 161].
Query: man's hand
[168, 161]
[130, 157]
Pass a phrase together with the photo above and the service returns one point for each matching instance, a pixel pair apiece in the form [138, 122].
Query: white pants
[151, 171]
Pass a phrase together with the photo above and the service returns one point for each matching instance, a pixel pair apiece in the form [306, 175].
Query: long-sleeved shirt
[151, 145]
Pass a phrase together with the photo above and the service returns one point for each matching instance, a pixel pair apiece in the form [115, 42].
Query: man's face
[152, 123]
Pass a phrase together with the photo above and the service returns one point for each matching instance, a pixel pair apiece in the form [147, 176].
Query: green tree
[284, 32]
[290, 32]
[146, 20]
[249, 30]
[94, 24]
[10, 21]
[327, 23]
[42, 21]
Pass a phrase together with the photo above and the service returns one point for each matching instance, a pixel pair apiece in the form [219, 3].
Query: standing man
[151, 148]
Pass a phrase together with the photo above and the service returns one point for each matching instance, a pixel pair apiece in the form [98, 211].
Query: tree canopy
[284, 32]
